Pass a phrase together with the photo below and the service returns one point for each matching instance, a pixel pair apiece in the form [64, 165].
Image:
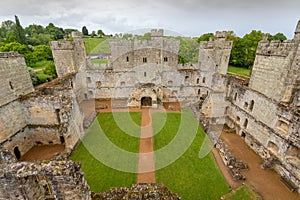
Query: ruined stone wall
[70, 57]
[14, 77]
[53, 113]
[63, 55]
[41, 180]
[15, 82]
[271, 130]
[275, 69]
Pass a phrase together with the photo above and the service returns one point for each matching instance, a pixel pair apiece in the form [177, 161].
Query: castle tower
[214, 55]
[69, 56]
[276, 68]
[297, 32]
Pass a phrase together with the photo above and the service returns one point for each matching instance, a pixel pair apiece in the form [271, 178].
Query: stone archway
[146, 102]
[17, 153]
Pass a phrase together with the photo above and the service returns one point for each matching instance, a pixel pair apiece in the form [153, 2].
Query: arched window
[245, 123]
[235, 96]
[251, 105]
[203, 80]
[198, 80]
[199, 92]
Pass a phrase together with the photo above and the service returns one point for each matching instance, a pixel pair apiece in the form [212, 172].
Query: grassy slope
[243, 193]
[99, 176]
[191, 177]
[97, 45]
[239, 71]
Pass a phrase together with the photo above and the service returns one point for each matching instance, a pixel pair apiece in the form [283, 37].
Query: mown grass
[99, 176]
[97, 45]
[189, 176]
[243, 193]
[99, 62]
[239, 71]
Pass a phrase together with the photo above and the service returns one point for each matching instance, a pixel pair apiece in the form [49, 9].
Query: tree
[6, 27]
[188, 51]
[100, 33]
[93, 34]
[55, 32]
[50, 70]
[43, 52]
[206, 37]
[33, 76]
[85, 31]
[34, 29]
[278, 36]
[244, 49]
[19, 32]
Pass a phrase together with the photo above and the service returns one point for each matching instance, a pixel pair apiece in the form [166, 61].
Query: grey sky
[187, 17]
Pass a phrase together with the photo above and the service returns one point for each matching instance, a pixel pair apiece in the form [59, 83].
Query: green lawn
[239, 71]
[100, 62]
[243, 193]
[94, 148]
[97, 45]
[189, 176]
[41, 64]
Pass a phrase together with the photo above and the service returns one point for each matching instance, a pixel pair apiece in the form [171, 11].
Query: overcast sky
[186, 17]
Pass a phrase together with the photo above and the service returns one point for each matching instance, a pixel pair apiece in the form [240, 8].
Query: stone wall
[14, 77]
[41, 180]
[270, 129]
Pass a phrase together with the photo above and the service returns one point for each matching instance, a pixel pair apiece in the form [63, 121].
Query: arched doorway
[146, 101]
[17, 153]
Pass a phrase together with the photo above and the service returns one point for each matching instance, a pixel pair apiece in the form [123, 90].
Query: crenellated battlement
[157, 33]
[275, 48]
[66, 45]
[216, 45]
[10, 54]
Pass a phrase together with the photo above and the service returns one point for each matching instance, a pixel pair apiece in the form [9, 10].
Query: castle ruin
[265, 109]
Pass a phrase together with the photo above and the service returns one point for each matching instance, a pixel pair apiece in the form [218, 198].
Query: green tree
[50, 70]
[33, 76]
[278, 36]
[55, 32]
[100, 33]
[34, 29]
[85, 31]
[188, 51]
[6, 27]
[43, 52]
[244, 49]
[206, 37]
[19, 31]
[93, 34]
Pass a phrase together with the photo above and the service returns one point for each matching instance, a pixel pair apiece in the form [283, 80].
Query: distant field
[97, 45]
[239, 71]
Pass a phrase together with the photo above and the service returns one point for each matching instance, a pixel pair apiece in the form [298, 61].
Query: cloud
[190, 17]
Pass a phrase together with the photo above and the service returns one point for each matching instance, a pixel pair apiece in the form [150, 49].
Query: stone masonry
[264, 110]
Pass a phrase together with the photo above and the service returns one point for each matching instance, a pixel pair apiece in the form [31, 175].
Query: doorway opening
[146, 101]
[17, 153]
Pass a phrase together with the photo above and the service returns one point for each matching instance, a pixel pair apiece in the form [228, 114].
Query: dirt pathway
[266, 182]
[224, 170]
[146, 164]
[44, 152]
